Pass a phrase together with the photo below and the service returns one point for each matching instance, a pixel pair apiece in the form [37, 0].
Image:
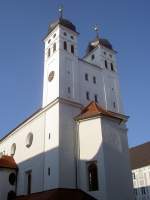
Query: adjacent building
[76, 144]
[140, 163]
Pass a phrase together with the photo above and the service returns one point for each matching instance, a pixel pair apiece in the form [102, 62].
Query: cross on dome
[61, 9]
[96, 29]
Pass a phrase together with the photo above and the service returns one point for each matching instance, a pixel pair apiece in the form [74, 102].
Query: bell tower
[60, 59]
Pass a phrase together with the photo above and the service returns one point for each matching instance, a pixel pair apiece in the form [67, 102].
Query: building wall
[51, 148]
[141, 183]
[110, 81]
[5, 186]
[67, 145]
[27, 158]
[90, 148]
[116, 160]
[42, 154]
[51, 63]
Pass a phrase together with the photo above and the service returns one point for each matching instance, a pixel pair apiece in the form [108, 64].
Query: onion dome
[98, 41]
[64, 22]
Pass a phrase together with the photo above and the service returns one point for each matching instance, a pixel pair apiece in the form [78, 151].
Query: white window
[29, 140]
[49, 52]
[92, 172]
[13, 149]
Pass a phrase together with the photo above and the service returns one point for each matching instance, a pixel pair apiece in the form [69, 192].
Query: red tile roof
[8, 162]
[140, 156]
[93, 109]
[58, 194]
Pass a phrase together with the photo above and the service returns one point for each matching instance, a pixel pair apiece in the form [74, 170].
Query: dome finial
[96, 29]
[61, 9]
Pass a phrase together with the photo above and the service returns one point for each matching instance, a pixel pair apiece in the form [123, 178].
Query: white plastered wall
[90, 149]
[5, 186]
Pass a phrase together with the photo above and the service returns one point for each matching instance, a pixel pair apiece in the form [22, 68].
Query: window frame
[65, 45]
[72, 48]
[86, 76]
[54, 47]
[95, 186]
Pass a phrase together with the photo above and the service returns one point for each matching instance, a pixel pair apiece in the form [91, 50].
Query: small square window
[54, 35]
[65, 34]
[72, 37]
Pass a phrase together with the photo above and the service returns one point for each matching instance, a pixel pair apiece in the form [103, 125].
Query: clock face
[51, 76]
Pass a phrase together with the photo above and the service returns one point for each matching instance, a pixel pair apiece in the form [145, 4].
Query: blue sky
[23, 25]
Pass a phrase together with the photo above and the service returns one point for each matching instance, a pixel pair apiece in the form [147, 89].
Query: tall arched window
[106, 64]
[86, 77]
[65, 45]
[29, 140]
[13, 149]
[72, 49]
[112, 67]
[92, 176]
[49, 52]
[54, 47]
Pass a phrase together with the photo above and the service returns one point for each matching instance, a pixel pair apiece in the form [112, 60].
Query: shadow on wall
[48, 170]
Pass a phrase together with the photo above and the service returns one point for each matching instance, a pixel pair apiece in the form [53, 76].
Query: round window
[51, 75]
[12, 178]
[29, 140]
[13, 149]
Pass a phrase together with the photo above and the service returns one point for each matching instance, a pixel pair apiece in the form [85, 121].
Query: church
[75, 146]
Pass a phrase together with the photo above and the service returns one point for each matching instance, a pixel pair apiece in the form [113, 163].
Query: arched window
[112, 67]
[92, 176]
[106, 64]
[87, 95]
[92, 57]
[13, 149]
[94, 79]
[72, 49]
[96, 98]
[49, 52]
[54, 47]
[65, 45]
[29, 140]
[86, 77]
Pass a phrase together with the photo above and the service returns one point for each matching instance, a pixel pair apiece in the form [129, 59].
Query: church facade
[78, 139]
